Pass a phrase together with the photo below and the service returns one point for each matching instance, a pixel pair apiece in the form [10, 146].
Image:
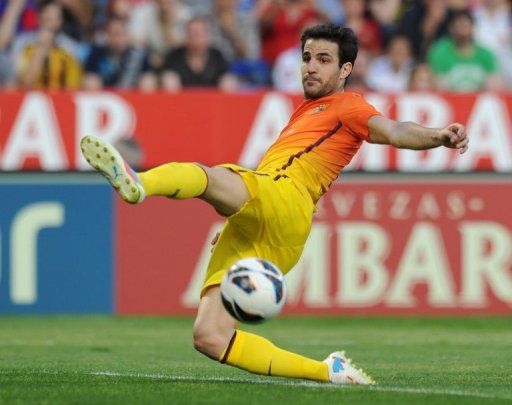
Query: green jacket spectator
[460, 72]
[459, 63]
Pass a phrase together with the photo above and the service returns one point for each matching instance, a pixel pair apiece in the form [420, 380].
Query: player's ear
[345, 70]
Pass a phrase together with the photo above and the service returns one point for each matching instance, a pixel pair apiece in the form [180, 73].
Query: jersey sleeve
[355, 115]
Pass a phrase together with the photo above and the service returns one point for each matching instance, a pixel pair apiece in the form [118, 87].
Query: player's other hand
[455, 136]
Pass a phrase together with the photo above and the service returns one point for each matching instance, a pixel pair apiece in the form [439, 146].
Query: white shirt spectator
[286, 74]
[382, 77]
[493, 29]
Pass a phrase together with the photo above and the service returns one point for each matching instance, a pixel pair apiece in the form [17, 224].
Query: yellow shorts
[274, 225]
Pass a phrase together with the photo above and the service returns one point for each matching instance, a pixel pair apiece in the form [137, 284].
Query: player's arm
[408, 135]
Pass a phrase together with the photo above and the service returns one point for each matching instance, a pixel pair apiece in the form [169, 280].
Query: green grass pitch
[92, 360]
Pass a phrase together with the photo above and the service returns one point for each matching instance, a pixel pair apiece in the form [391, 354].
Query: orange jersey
[320, 140]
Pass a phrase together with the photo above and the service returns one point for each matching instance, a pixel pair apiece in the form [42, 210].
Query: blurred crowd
[242, 45]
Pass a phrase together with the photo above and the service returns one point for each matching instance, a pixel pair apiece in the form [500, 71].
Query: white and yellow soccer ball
[253, 290]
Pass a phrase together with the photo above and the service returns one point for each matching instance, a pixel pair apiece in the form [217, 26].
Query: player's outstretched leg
[215, 336]
[218, 186]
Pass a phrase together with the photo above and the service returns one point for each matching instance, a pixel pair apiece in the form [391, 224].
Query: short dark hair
[45, 3]
[348, 44]
[463, 13]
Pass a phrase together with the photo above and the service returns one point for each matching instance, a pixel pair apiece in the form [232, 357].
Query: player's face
[321, 74]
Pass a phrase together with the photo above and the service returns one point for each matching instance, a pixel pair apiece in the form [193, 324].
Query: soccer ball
[253, 290]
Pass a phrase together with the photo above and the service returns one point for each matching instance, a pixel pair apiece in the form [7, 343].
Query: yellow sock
[175, 180]
[260, 356]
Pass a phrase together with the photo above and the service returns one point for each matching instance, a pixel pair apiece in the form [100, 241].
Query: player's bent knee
[211, 341]
[226, 190]
[222, 181]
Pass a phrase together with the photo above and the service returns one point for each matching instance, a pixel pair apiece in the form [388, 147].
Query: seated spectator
[159, 26]
[197, 63]
[390, 72]
[423, 23]
[116, 63]
[366, 29]
[46, 58]
[280, 25]
[459, 63]
[422, 79]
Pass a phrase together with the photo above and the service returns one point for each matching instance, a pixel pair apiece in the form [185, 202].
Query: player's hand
[455, 136]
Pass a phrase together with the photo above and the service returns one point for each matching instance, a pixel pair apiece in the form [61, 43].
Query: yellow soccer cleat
[342, 371]
[107, 161]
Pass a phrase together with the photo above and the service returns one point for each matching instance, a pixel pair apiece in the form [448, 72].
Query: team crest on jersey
[320, 108]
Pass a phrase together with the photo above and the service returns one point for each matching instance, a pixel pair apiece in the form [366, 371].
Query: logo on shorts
[319, 109]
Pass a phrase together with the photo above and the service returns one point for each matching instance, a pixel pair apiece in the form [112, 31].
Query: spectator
[493, 29]
[197, 64]
[159, 26]
[117, 63]
[422, 79]
[46, 59]
[390, 72]
[458, 62]
[234, 33]
[366, 29]
[280, 25]
[423, 23]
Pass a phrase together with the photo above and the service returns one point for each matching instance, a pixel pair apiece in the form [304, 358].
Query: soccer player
[269, 210]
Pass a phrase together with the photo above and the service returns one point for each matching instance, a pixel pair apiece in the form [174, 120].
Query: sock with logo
[260, 356]
[175, 180]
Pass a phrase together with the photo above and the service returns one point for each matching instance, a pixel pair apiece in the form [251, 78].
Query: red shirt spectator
[281, 24]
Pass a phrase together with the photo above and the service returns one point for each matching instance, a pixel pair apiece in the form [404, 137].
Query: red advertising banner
[388, 244]
[42, 130]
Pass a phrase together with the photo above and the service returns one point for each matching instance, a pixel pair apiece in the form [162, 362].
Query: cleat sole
[111, 166]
